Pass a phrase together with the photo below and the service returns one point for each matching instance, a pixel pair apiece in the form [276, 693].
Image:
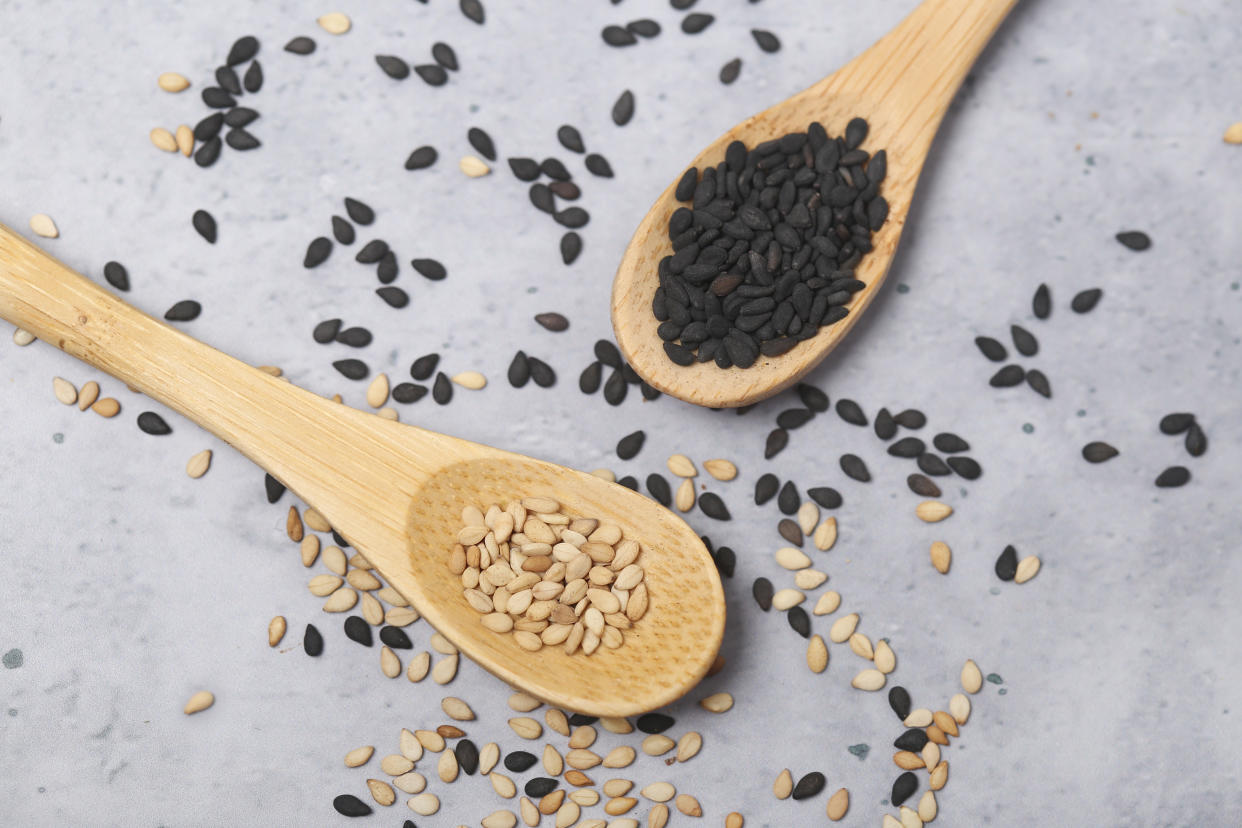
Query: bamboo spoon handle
[916, 68]
[308, 442]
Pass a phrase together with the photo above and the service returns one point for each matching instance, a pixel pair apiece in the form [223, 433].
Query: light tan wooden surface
[395, 492]
[902, 86]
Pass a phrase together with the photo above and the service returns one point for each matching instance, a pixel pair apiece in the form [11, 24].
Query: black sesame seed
[482, 142]
[659, 488]
[571, 246]
[654, 722]
[950, 443]
[812, 397]
[792, 418]
[615, 388]
[205, 224]
[1007, 377]
[904, 786]
[790, 531]
[408, 392]
[358, 630]
[855, 133]
[921, 485]
[763, 592]
[686, 184]
[907, 447]
[630, 482]
[799, 621]
[359, 212]
[851, 412]
[552, 321]
[1173, 476]
[273, 488]
[217, 98]
[519, 761]
[615, 35]
[567, 190]
[1196, 440]
[589, 379]
[623, 109]
[767, 41]
[372, 251]
[519, 370]
[395, 637]
[854, 467]
[885, 426]
[579, 720]
[300, 45]
[1024, 341]
[433, 74]
[442, 389]
[421, 158]
[554, 169]
[429, 268]
[208, 153]
[317, 252]
[253, 80]
[1085, 300]
[354, 369]
[730, 71]
[965, 467]
[696, 22]
[467, 754]
[152, 423]
[1038, 382]
[825, 496]
[712, 506]
[524, 169]
[116, 275]
[572, 217]
[570, 138]
[1041, 302]
[598, 165]
[726, 561]
[473, 10]
[607, 353]
[423, 367]
[445, 56]
[342, 230]
[912, 740]
[776, 441]
[542, 373]
[312, 641]
[645, 27]
[242, 50]
[681, 5]
[339, 540]
[227, 80]
[1007, 564]
[1134, 239]
[240, 116]
[899, 700]
[209, 127]
[394, 296]
[1176, 423]
[240, 139]
[629, 445]
[765, 488]
[788, 500]
[991, 349]
[1097, 452]
[394, 67]
[183, 311]
[350, 806]
[932, 464]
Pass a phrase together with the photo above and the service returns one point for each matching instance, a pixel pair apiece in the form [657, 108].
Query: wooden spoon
[902, 86]
[396, 492]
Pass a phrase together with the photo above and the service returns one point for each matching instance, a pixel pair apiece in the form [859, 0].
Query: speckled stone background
[128, 586]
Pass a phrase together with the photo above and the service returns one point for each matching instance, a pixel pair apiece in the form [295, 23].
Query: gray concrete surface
[128, 586]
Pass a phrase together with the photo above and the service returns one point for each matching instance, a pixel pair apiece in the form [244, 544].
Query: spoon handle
[311, 444]
[918, 66]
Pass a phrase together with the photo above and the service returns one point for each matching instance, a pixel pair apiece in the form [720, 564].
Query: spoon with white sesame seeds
[396, 492]
[902, 87]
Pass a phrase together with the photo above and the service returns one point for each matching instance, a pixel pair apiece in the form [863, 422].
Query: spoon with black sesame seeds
[788, 232]
[396, 493]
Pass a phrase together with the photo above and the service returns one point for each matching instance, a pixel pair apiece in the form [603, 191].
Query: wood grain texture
[902, 86]
[395, 492]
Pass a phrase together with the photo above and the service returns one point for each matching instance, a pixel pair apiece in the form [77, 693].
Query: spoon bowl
[396, 492]
[902, 87]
